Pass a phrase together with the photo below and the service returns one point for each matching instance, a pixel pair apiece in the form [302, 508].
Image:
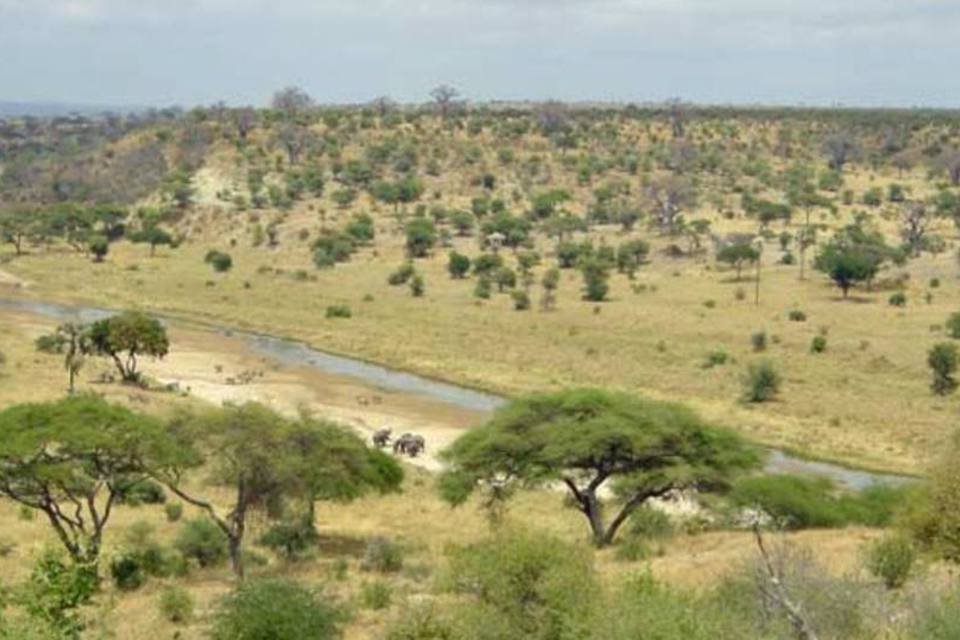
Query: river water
[294, 353]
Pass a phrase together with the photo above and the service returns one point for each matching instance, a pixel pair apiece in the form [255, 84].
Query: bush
[382, 555]
[276, 610]
[891, 559]
[176, 605]
[458, 265]
[796, 315]
[818, 344]
[290, 539]
[203, 541]
[376, 595]
[127, 573]
[422, 623]
[524, 585]
[483, 288]
[898, 299]
[953, 325]
[143, 492]
[942, 360]
[417, 286]
[521, 300]
[220, 261]
[338, 311]
[761, 382]
[758, 340]
[402, 274]
[716, 359]
[173, 511]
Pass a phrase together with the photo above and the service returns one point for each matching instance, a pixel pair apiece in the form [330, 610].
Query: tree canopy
[126, 336]
[586, 438]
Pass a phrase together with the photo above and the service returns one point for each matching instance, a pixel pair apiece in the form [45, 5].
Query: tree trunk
[236, 555]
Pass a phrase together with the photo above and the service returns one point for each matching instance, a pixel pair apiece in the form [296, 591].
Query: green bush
[796, 315]
[382, 555]
[942, 359]
[758, 341]
[290, 539]
[818, 344]
[898, 299]
[891, 559]
[716, 359]
[173, 511]
[401, 275]
[376, 595]
[422, 623]
[338, 311]
[276, 610]
[483, 288]
[127, 572]
[761, 382]
[521, 301]
[953, 325]
[143, 492]
[220, 261]
[417, 286]
[203, 541]
[176, 605]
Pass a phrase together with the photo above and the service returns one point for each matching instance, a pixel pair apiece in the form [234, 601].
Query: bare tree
[294, 139]
[950, 161]
[244, 119]
[445, 99]
[773, 589]
[841, 147]
[914, 223]
[292, 101]
[383, 105]
[678, 117]
[669, 196]
[553, 117]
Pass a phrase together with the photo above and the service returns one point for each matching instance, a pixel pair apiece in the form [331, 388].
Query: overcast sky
[159, 52]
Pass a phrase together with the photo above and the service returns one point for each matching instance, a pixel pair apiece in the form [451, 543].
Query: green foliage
[487, 263]
[376, 595]
[276, 610]
[173, 511]
[524, 585]
[891, 559]
[853, 256]
[55, 591]
[291, 538]
[818, 344]
[483, 288]
[952, 325]
[127, 336]
[338, 311]
[758, 340]
[738, 253]
[99, 246]
[421, 235]
[361, 228]
[176, 605]
[458, 265]
[127, 573]
[331, 248]
[645, 448]
[715, 359]
[382, 555]
[417, 285]
[942, 360]
[800, 502]
[595, 276]
[401, 275]
[898, 299]
[202, 541]
[142, 492]
[761, 382]
[219, 260]
[521, 300]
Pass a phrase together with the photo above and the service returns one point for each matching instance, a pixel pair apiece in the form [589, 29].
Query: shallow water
[293, 353]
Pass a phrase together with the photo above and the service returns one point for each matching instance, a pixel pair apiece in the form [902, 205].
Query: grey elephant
[381, 437]
[410, 444]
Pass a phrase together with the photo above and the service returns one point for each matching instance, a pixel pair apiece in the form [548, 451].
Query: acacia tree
[852, 256]
[72, 460]
[586, 439]
[73, 341]
[127, 336]
[266, 462]
[738, 251]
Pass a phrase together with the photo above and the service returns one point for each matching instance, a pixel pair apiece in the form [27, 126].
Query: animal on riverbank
[381, 437]
[410, 444]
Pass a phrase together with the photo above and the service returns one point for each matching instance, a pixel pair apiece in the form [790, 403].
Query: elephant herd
[410, 444]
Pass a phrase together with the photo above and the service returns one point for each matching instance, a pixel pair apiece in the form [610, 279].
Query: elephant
[410, 444]
[381, 437]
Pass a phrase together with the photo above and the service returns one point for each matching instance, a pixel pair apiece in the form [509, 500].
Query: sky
[190, 52]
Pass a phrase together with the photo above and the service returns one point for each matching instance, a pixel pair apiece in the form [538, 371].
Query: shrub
[758, 340]
[176, 605]
[338, 311]
[275, 610]
[891, 559]
[220, 261]
[382, 555]
[898, 299]
[524, 585]
[483, 288]
[818, 344]
[953, 325]
[422, 623]
[458, 265]
[762, 382]
[173, 511]
[417, 286]
[127, 573]
[521, 300]
[942, 359]
[203, 541]
[401, 275]
[487, 263]
[716, 359]
[376, 595]
[143, 492]
[796, 315]
[290, 539]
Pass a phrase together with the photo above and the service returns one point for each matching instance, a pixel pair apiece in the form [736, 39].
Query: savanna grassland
[667, 252]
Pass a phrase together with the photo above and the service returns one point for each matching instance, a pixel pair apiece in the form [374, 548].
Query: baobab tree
[669, 196]
[445, 99]
[841, 147]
